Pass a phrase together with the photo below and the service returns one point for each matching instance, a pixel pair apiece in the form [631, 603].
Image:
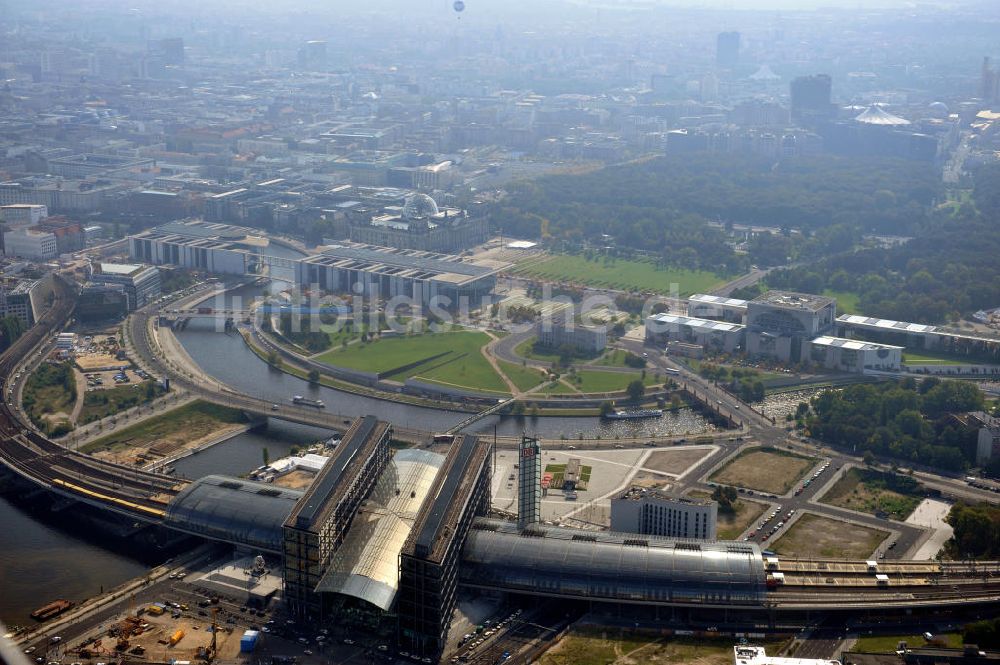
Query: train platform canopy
[611, 566]
[233, 510]
[367, 564]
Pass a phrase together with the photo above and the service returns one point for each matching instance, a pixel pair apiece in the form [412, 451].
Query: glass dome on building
[419, 205]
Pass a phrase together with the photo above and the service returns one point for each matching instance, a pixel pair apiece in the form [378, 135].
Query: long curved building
[570, 563]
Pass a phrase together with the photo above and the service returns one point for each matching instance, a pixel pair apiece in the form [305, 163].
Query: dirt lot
[729, 526]
[185, 427]
[654, 480]
[764, 470]
[196, 634]
[852, 491]
[815, 536]
[296, 480]
[674, 461]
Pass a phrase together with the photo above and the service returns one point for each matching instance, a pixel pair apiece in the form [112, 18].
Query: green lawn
[868, 492]
[888, 643]
[599, 645]
[596, 381]
[613, 358]
[847, 302]
[621, 274]
[559, 388]
[524, 378]
[526, 349]
[930, 358]
[191, 421]
[98, 404]
[49, 390]
[451, 358]
[557, 471]
[729, 526]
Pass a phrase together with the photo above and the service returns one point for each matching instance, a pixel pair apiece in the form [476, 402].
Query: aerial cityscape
[567, 332]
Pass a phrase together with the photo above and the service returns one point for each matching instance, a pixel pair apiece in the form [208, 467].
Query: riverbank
[170, 435]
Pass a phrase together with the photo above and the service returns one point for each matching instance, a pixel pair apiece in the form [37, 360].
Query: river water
[44, 556]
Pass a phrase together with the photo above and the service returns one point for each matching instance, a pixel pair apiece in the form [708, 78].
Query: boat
[299, 399]
[634, 413]
[54, 608]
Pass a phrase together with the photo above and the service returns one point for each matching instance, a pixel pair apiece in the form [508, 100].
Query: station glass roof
[367, 564]
[609, 565]
[233, 510]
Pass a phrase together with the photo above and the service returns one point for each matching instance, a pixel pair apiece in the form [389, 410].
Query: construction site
[163, 632]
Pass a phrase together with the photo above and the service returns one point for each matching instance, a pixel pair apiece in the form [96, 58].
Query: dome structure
[939, 109]
[876, 115]
[419, 205]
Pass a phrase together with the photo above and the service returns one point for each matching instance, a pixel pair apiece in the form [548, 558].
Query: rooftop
[876, 115]
[701, 324]
[630, 567]
[747, 655]
[366, 566]
[852, 344]
[885, 324]
[718, 300]
[451, 490]
[322, 495]
[120, 268]
[792, 300]
[233, 510]
[389, 260]
[641, 493]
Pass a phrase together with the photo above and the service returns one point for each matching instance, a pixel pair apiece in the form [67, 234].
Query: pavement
[930, 514]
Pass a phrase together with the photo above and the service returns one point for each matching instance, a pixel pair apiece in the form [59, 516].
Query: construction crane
[211, 651]
[127, 626]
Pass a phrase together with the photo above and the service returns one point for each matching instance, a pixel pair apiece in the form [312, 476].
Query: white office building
[588, 339]
[851, 355]
[31, 244]
[780, 323]
[23, 214]
[141, 283]
[704, 306]
[711, 335]
[651, 512]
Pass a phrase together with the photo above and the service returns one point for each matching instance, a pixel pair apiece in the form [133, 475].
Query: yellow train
[110, 499]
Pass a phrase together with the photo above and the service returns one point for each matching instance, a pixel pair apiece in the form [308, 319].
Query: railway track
[46, 463]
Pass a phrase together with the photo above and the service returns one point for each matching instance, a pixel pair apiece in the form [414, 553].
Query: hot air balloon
[459, 6]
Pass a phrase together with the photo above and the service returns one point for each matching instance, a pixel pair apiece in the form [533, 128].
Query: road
[754, 276]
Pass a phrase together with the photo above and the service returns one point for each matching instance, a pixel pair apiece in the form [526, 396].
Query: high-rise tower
[529, 485]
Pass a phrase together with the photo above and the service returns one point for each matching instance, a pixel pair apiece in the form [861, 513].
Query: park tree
[314, 376]
[636, 389]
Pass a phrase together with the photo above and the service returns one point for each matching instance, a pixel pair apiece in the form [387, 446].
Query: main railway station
[388, 540]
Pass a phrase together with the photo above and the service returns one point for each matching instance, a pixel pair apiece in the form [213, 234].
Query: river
[46, 556]
[227, 358]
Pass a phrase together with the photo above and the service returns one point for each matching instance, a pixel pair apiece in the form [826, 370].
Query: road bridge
[842, 585]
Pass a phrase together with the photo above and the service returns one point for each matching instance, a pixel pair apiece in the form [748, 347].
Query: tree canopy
[900, 419]
[662, 205]
[950, 268]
